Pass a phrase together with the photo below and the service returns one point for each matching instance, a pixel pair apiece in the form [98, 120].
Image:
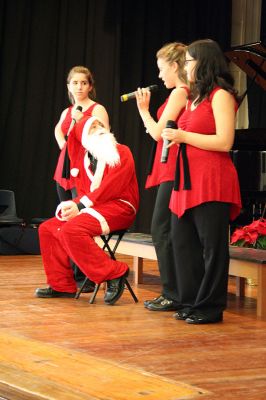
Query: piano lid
[251, 58]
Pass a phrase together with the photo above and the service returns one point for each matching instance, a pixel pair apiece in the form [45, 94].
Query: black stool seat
[106, 238]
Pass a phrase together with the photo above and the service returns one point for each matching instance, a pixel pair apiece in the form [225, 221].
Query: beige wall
[246, 17]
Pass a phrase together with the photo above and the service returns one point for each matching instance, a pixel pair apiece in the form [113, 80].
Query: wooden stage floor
[67, 349]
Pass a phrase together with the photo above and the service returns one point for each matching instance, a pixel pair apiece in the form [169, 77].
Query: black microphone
[165, 151]
[66, 165]
[132, 95]
[79, 108]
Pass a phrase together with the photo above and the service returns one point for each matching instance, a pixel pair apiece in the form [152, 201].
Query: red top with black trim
[163, 172]
[212, 173]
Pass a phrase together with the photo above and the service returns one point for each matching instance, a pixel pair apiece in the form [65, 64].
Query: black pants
[161, 237]
[201, 250]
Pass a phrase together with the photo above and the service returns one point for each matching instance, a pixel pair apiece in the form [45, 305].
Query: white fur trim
[74, 172]
[86, 201]
[58, 212]
[131, 205]
[99, 217]
[59, 209]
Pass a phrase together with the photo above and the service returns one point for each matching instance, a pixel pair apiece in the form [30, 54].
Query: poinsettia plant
[252, 235]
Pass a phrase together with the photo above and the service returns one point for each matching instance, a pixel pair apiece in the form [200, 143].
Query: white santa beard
[102, 146]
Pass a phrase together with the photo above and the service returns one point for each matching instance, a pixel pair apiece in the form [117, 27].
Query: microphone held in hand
[132, 95]
[79, 108]
[165, 150]
[66, 165]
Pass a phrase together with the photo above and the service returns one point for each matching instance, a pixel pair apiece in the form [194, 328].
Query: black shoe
[50, 292]
[164, 305]
[156, 300]
[89, 286]
[197, 319]
[181, 315]
[115, 288]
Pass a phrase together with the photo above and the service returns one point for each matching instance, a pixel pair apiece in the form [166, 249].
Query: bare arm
[100, 111]
[223, 105]
[59, 136]
[177, 101]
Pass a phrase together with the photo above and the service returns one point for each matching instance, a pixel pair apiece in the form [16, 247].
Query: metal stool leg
[81, 288]
[131, 291]
[94, 294]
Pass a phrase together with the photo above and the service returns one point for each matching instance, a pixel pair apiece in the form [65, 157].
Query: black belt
[187, 182]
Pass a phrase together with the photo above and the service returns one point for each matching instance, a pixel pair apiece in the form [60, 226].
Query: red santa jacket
[117, 183]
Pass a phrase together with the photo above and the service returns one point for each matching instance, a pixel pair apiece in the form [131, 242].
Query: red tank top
[212, 173]
[163, 172]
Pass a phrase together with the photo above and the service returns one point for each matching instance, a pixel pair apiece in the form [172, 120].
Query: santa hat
[81, 134]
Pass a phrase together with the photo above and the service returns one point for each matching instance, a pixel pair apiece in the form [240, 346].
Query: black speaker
[15, 240]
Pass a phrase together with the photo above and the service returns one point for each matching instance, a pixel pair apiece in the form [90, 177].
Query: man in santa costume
[107, 200]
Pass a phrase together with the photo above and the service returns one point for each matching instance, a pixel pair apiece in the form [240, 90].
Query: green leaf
[261, 242]
[240, 243]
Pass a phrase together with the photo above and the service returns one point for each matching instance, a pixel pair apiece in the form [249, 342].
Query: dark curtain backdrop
[117, 39]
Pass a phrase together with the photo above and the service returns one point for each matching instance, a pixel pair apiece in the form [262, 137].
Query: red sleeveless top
[212, 173]
[68, 184]
[163, 172]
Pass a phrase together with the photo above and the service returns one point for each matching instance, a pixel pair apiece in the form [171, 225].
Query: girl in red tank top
[206, 192]
[81, 93]
[170, 61]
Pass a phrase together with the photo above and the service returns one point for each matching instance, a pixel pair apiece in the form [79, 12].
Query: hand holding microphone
[66, 165]
[132, 95]
[165, 150]
[79, 108]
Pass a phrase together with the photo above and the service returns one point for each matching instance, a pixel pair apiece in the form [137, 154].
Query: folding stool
[106, 238]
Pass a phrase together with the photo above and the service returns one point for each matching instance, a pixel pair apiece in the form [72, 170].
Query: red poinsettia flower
[252, 235]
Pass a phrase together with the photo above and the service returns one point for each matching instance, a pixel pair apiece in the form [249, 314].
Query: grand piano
[249, 149]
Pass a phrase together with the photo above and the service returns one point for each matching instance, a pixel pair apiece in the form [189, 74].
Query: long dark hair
[211, 70]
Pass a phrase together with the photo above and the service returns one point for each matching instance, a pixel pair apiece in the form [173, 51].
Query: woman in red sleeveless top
[170, 61]
[206, 192]
[81, 92]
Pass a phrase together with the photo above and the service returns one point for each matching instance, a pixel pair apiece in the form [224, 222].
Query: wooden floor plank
[126, 342]
[55, 373]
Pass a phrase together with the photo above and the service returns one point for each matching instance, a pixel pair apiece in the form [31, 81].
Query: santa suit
[110, 196]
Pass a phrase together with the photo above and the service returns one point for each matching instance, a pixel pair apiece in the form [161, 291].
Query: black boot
[115, 289]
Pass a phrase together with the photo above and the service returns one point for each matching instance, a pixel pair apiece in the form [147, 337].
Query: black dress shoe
[164, 305]
[197, 319]
[156, 300]
[50, 292]
[115, 289]
[181, 315]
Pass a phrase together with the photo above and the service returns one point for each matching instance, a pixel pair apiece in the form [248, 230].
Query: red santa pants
[62, 241]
